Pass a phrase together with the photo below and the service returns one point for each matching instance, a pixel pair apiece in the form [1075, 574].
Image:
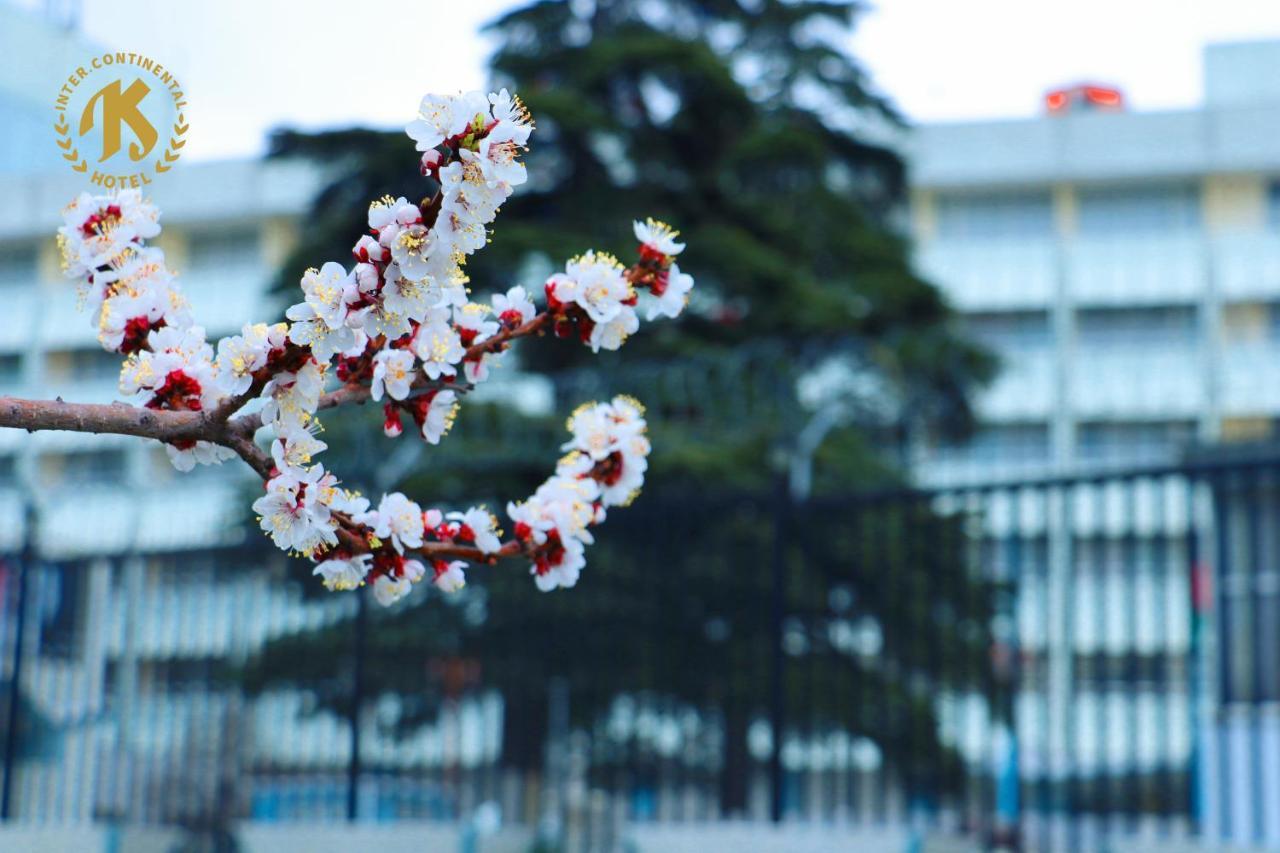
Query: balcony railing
[1134, 382]
[1128, 270]
[992, 274]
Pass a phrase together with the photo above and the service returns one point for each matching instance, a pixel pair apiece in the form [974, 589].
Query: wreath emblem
[176, 141]
[69, 151]
[114, 107]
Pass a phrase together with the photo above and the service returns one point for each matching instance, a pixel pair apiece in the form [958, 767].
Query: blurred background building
[1125, 265]
[1126, 268]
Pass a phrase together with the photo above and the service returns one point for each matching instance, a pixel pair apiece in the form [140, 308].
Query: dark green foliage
[789, 219]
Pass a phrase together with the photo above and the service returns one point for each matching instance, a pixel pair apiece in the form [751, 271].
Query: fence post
[15, 684]
[777, 667]
[357, 697]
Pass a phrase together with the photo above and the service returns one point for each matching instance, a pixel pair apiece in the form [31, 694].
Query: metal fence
[1050, 664]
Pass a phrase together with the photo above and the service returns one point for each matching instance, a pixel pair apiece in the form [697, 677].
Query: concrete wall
[267, 838]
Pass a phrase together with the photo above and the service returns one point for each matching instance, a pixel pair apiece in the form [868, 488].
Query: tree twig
[124, 419]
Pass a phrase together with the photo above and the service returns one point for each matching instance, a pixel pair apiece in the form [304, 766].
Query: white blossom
[658, 236]
[450, 576]
[511, 115]
[563, 570]
[411, 250]
[673, 299]
[514, 308]
[400, 520]
[388, 215]
[438, 346]
[327, 294]
[240, 356]
[293, 510]
[443, 116]
[293, 394]
[295, 444]
[595, 282]
[613, 334]
[482, 527]
[392, 370]
[408, 292]
[389, 590]
[439, 416]
[199, 453]
[98, 230]
[342, 573]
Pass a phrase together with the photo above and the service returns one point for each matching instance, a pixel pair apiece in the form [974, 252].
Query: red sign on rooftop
[1084, 97]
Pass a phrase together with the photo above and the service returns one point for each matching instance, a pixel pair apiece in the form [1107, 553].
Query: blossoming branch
[398, 328]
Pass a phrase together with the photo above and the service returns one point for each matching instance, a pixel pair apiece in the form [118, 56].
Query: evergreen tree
[746, 124]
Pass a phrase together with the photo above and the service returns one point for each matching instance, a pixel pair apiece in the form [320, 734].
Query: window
[1151, 210]
[1249, 589]
[1114, 442]
[83, 365]
[1010, 332]
[10, 369]
[17, 265]
[1273, 320]
[60, 605]
[1273, 203]
[1004, 444]
[1008, 215]
[86, 467]
[224, 250]
[1245, 429]
[1249, 322]
[1139, 328]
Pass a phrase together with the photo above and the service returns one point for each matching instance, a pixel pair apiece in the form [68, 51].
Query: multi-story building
[110, 623]
[1125, 266]
[38, 52]
[139, 589]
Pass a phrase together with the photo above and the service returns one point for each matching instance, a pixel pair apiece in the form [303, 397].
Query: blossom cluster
[604, 467]
[140, 312]
[399, 327]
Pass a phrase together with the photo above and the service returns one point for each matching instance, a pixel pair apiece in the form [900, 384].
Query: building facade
[1124, 265]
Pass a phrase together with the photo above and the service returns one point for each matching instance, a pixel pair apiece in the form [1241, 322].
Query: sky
[249, 66]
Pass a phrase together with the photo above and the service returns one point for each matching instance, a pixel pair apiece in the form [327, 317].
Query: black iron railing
[1044, 664]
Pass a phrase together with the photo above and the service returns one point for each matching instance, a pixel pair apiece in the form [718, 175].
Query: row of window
[90, 364]
[225, 251]
[1153, 327]
[1098, 442]
[99, 467]
[1102, 211]
[1015, 331]
[1006, 331]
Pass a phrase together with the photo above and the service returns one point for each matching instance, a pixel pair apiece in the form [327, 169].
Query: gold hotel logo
[118, 111]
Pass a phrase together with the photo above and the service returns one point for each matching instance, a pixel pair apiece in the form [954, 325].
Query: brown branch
[498, 342]
[254, 456]
[359, 393]
[292, 358]
[354, 539]
[117, 418]
[124, 419]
